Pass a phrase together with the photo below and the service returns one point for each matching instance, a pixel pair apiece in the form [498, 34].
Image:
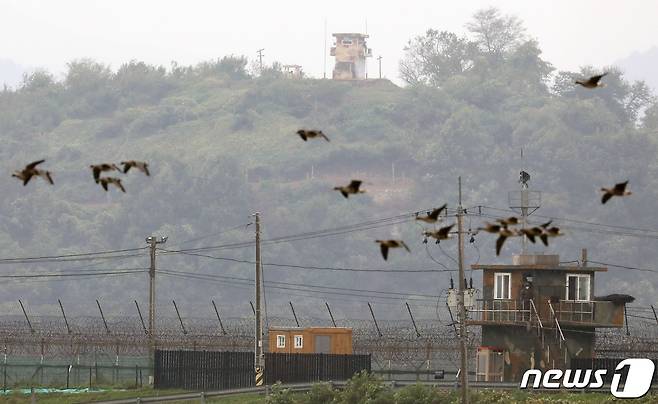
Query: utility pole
[462, 310]
[379, 59]
[258, 351]
[152, 242]
[260, 59]
[324, 67]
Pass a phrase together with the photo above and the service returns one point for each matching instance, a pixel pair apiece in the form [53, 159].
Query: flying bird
[352, 188]
[311, 134]
[30, 171]
[502, 236]
[105, 181]
[508, 221]
[490, 227]
[592, 82]
[550, 232]
[441, 234]
[432, 216]
[384, 245]
[140, 165]
[536, 231]
[97, 169]
[531, 233]
[617, 190]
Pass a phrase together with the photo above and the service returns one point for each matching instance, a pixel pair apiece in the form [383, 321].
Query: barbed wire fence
[94, 350]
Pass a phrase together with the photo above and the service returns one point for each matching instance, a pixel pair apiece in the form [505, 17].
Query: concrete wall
[522, 344]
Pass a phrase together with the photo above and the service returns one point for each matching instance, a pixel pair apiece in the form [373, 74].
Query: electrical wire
[243, 225]
[572, 220]
[356, 227]
[292, 290]
[279, 265]
[23, 260]
[624, 266]
[251, 281]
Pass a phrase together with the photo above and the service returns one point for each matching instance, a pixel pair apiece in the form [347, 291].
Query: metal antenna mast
[525, 202]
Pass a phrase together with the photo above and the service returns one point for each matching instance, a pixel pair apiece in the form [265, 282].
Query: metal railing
[511, 311]
[582, 312]
[558, 334]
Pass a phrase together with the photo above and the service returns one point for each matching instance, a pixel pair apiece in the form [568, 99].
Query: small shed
[328, 340]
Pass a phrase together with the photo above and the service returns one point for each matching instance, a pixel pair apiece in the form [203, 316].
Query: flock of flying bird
[31, 170]
[504, 228]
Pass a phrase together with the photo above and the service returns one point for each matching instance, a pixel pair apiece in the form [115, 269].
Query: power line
[309, 266]
[251, 280]
[356, 227]
[53, 257]
[248, 285]
[581, 228]
[560, 219]
[624, 266]
[243, 225]
[80, 274]
[73, 278]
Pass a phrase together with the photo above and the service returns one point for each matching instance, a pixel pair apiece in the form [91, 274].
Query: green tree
[432, 58]
[496, 34]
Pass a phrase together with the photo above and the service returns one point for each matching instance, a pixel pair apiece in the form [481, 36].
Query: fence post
[89, 377]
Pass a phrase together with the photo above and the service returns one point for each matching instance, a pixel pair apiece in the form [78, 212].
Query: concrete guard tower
[537, 312]
[351, 52]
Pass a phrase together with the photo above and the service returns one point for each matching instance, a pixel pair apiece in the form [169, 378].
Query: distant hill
[642, 66]
[222, 145]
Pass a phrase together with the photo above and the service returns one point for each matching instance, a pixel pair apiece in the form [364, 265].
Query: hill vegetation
[221, 143]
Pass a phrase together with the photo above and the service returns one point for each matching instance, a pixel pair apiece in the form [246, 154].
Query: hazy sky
[50, 33]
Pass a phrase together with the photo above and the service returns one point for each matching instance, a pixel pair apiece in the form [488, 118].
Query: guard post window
[280, 341]
[299, 341]
[502, 285]
[578, 289]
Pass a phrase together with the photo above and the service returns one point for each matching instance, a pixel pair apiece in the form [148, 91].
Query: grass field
[482, 397]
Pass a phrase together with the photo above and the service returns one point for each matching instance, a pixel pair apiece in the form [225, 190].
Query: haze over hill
[641, 66]
[221, 143]
[11, 73]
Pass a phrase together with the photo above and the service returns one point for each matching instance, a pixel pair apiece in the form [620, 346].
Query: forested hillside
[221, 145]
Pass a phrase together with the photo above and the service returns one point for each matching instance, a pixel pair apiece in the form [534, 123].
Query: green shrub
[280, 395]
[420, 394]
[365, 388]
[321, 393]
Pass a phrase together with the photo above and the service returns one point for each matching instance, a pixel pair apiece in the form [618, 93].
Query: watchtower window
[502, 285]
[280, 341]
[578, 287]
[347, 42]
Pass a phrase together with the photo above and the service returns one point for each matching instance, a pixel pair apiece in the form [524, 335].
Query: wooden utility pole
[460, 299]
[152, 243]
[260, 59]
[258, 348]
[379, 59]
